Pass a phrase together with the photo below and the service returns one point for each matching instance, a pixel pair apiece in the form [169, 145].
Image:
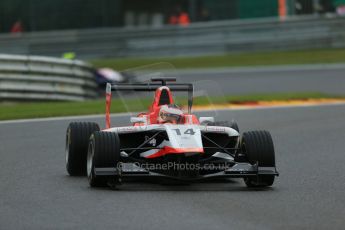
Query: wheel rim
[68, 142]
[90, 155]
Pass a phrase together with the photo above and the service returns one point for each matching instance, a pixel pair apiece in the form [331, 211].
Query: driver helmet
[170, 114]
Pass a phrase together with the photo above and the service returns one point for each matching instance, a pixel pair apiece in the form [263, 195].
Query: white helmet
[170, 113]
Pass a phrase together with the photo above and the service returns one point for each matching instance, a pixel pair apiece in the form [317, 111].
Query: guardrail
[34, 78]
[197, 39]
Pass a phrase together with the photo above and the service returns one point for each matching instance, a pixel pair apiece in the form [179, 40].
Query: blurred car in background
[108, 75]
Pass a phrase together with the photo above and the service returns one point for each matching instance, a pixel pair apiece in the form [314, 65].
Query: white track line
[96, 116]
[252, 69]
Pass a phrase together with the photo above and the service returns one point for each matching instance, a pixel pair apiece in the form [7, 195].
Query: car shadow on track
[218, 185]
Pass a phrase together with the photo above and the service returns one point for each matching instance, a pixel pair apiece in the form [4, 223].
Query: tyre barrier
[36, 78]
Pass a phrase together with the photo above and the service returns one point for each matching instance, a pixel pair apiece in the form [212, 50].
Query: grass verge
[55, 109]
[232, 60]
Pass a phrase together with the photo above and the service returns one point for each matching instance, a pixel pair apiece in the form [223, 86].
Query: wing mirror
[138, 120]
[206, 120]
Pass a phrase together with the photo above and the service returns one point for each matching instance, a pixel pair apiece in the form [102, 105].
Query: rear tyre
[103, 152]
[77, 139]
[258, 148]
[230, 124]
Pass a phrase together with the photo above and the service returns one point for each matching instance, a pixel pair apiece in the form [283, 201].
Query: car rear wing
[148, 87]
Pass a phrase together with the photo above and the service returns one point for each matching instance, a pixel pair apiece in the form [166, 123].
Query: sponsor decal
[215, 129]
[131, 129]
[153, 142]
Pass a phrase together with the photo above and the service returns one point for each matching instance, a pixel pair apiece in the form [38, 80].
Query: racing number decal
[178, 132]
[188, 132]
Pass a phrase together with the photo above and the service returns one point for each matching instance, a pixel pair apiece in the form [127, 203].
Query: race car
[107, 75]
[168, 143]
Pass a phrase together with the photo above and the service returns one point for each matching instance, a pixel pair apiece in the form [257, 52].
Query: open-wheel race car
[168, 143]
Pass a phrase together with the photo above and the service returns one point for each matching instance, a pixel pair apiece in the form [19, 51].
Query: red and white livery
[166, 142]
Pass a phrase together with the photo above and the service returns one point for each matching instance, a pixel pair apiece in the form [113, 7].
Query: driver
[170, 114]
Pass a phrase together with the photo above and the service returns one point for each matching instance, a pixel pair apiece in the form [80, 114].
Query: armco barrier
[35, 78]
[207, 38]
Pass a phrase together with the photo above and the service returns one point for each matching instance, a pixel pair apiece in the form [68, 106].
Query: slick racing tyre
[77, 140]
[230, 124]
[258, 148]
[103, 152]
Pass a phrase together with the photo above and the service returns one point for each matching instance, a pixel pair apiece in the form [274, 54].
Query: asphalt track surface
[37, 193]
[309, 78]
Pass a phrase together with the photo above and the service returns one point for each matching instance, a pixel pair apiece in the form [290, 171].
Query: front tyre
[77, 139]
[103, 152]
[258, 148]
